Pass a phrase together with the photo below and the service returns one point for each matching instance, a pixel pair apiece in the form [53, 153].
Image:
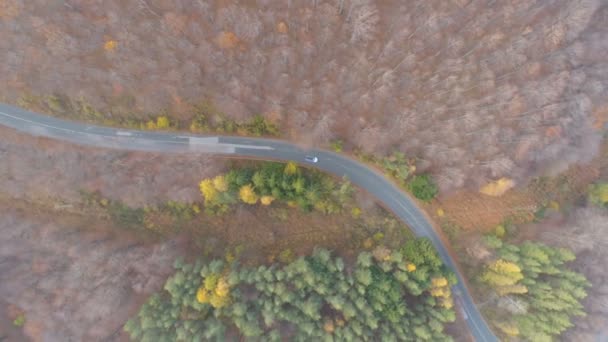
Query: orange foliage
[227, 40]
[498, 187]
[109, 45]
[282, 27]
[9, 9]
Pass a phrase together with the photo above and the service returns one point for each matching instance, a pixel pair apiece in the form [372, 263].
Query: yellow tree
[222, 289]
[502, 273]
[162, 122]
[214, 290]
[290, 168]
[208, 190]
[220, 184]
[218, 301]
[440, 288]
[498, 187]
[247, 195]
[266, 200]
[202, 295]
[439, 282]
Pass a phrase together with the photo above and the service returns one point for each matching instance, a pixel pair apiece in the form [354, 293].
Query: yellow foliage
[208, 189]
[368, 243]
[509, 328]
[440, 212]
[227, 40]
[290, 168]
[292, 204]
[222, 289]
[555, 206]
[230, 257]
[498, 187]
[500, 231]
[210, 282]
[162, 122]
[410, 267]
[215, 290]
[447, 303]
[247, 195]
[503, 266]
[509, 289]
[202, 295]
[109, 45]
[195, 127]
[151, 125]
[439, 282]
[196, 209]
[356, 212]
[382, 253]
[220, 184]
[329, 326]
[437, 292]
[218, 302]
[502, 273]
[266, 200]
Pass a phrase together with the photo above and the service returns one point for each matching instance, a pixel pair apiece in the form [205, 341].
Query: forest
[270, 181]
[402, 294]
[481, 90]
[541, 292]
[492, 114]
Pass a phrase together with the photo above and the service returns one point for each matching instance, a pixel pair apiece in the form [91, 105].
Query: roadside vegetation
[269, 182]
[401, 294]
[402, 171]
[204, 118]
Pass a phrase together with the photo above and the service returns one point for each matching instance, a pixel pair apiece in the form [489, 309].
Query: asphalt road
[392, 197]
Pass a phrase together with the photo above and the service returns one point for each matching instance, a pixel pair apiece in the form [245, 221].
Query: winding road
[373, 182]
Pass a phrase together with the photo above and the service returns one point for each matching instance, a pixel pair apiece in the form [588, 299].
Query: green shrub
[423, 187]
[124, 215]
[19, 321]
[337, 145]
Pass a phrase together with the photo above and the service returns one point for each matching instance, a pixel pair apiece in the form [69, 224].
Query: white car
[311, 159]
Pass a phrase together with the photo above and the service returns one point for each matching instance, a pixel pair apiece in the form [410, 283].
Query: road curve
[375, 183]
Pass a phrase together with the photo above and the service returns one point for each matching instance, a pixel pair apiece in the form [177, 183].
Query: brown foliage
[478, 92]
[227, 40]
